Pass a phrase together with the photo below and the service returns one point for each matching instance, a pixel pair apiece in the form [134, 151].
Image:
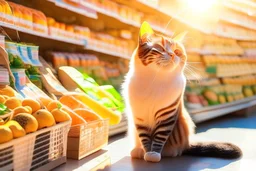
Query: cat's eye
[178, 52]
[158, 47]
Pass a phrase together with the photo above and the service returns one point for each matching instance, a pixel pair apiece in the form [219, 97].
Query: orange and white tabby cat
[153, 89]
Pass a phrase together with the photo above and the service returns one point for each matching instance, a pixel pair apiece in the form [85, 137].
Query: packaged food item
[13, 54]
[2, 41]
[36, 79]
[23, 53]
[20, 77]
[33, 55]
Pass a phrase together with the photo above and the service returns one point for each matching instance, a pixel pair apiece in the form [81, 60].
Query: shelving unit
[99, 19]
[207, 113]
[42, 35]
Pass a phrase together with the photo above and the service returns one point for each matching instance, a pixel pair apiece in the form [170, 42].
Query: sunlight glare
[200, 5]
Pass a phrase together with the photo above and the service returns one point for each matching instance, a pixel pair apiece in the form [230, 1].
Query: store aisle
[238, 130]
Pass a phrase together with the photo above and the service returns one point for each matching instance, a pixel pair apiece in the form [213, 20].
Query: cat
[153, 91]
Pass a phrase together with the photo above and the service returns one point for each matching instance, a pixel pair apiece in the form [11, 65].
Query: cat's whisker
[192, 73]
[194, 67]
[194, 62]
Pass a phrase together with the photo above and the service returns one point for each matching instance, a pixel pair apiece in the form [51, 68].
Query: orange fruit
[60, 115]
[2, 99]
[8, 91]
[27, 121]
[72, 102]
[44, 118]
[76, 119]
[17, 130]
[22, 109]
[13, 103]
[54, 105]
[5, 134]
[35, 105]
[45, 101]
[87, 115]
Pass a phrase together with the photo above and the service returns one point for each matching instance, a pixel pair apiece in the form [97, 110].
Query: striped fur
[158, 122]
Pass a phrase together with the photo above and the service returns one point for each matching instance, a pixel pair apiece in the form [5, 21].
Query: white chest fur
[147, 94]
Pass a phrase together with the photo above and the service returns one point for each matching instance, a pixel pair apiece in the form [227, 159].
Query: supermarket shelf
[85, 12]
[43, 35]
[238, 23]
[105, 12]
[237, 8]
[207, 52]
[207, 113]
[147, 8]
[107, 52]
[144, 7]
[80, 43]
[236, 37]
[237, 74]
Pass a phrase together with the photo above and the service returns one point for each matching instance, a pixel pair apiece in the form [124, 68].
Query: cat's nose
[172, 55]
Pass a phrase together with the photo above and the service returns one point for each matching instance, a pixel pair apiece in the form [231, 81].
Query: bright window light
[200, 5]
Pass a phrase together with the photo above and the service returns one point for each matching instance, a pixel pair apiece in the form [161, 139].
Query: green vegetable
[3, 109]
[17, 62]
[32, 70]
[11, 58]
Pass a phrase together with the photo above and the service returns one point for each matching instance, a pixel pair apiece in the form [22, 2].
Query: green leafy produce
[3, 109]
[32, 70]
[16, 62]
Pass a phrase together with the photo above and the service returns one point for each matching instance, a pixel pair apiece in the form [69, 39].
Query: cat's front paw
[137, 153]
[152, 157]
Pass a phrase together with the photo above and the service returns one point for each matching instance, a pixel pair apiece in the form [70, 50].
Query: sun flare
[200, 5]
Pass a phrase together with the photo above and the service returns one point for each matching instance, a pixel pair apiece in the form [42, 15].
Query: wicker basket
[87, 138]
[43, 150]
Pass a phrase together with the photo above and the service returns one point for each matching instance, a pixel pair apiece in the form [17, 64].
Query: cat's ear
[145, 31]
[180, 37]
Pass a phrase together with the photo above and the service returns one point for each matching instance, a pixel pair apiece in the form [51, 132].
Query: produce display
[103, 72]
[22, 116]
[228, 72]
[67, 68]
[28, 115]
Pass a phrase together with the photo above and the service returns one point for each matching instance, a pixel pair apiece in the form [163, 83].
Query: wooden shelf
[207, 113]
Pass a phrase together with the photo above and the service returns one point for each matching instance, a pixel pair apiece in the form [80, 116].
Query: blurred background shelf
[207, 113]
[24, 31]
[206, 35]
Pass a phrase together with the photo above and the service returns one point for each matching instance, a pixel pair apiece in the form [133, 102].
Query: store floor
[238, 130]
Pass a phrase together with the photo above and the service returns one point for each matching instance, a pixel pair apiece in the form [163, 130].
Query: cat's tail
[214, 149]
